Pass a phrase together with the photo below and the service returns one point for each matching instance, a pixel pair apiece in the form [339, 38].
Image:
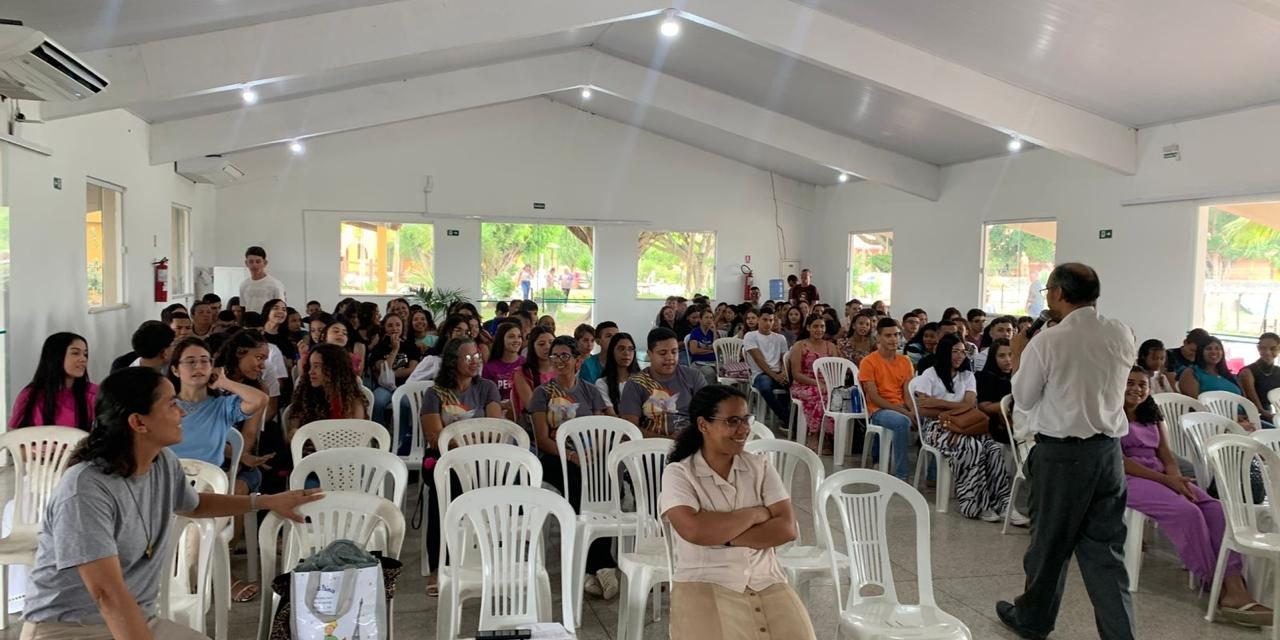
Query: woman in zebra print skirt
[977, 461]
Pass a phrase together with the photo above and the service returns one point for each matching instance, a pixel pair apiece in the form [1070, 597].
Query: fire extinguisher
[748, 281]
[162, 279]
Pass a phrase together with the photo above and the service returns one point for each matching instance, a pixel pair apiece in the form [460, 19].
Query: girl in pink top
[60, 392]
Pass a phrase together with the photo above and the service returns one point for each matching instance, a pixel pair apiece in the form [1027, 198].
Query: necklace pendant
[148, 551]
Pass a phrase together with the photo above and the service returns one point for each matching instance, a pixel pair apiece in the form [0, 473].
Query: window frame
[848, 268]
[351, 217]
[982, 253]
[715, 261]
[121, 250]
[182, 263]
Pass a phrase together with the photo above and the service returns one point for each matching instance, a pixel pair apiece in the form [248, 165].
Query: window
[675, 263]
[1241, 269]
[551, 264]
[104, 244]
[180, 245]
[385, 258]
[870, 266]
[1016, 260]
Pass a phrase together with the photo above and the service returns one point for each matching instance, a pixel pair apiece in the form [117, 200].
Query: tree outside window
[385, 258]
[1242, 269]
[1016, 260]
[871, 266]
[551, 264]
[675, 263]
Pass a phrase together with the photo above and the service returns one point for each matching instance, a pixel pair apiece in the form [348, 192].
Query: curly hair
[109, 445]
[448, 376]
[313, 403]
[235, 347]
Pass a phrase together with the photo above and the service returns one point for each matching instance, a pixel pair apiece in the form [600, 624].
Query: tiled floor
[973, 566]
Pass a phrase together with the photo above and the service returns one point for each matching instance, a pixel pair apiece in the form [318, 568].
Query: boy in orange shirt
[884, 375]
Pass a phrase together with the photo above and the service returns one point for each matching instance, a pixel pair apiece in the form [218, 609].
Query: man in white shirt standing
[1071, 378]
[766, 352]
[259, 287]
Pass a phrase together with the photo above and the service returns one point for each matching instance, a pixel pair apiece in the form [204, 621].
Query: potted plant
[438, 300]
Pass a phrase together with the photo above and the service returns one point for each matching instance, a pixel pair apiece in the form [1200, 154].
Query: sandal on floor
[433, 590]
[1246, 616]
[243, 591]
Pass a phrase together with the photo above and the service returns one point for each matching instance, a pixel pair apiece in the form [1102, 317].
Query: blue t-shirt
[591, 370]
[205, 427]
[1210, 382]
[705, 340]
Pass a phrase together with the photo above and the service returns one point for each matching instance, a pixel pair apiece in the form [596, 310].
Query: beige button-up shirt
[752, 482]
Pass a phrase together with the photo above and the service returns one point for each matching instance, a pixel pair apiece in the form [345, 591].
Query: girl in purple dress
[1192, 520]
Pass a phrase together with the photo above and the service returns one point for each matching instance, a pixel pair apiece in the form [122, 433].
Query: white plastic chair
[1270, 438]
[1229, 405]
[1015, 449]
[1273, 398]
[649, 564]
[1231, 457]
[235, 440]
[412, 393]
[209, 478]
[339, 434]
[482, 431]
[863, 517]
[831, 374]
[1172, 407]
[797, 424]
[1197, 428]
[368, 402]
[40, 456]
[945, 481]
[503, 526]
[761, 431]
[478, 466]
[339, 515]
[728, 350]
[177, 600]
[600, 513]
[802, 562]
[360, 470]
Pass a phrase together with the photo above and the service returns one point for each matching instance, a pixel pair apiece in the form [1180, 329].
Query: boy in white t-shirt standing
[259, 287]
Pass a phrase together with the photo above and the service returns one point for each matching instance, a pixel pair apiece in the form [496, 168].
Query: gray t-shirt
[661, 405]
[92, 516]
[581, 400]
[453, 406]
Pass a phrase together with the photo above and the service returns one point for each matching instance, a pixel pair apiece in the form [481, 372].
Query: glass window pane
[103, 247]
[675, 263]
[1017, 258]
[1242, 269]
[180, 261]
[385, 258]
[871, 266]
[551, 264]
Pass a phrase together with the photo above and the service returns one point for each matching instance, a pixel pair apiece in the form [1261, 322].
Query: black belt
[1040, 437]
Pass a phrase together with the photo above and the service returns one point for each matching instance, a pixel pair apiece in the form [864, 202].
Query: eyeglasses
[563, 357]
[471, 357]
[196, 362]
[626, 349]
[735, 422]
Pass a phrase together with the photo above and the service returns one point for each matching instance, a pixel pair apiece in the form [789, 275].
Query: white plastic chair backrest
[645, 461]
[235, 440]
[40, 456]
[1229, 405]
[339, 515]
[727, 350]
[368, 402]
[412, 392]
[760, 432]
[1270, 438]
[593, 438]
[360, 469]
[204, 477]
[340, 433]
[505, 524]
[863, 523]
[1231, 458]
[482, 466]
[284, 419]
[1006, 410]
[915, 404]
[1197, 428]
[179, 577]
[830, 374]
[786, 457]
[482, 431]
[1172, 407]
[1273, 399]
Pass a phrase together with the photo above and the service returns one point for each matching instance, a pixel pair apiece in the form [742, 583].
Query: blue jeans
[900, 426]
[780, 405]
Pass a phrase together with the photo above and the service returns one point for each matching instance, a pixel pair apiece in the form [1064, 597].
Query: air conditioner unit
[33, 67]
[209, 170]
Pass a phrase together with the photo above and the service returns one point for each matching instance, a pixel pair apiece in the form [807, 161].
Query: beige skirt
[160, 629]
[702, 610]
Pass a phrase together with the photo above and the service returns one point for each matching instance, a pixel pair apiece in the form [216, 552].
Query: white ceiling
[1138, 62]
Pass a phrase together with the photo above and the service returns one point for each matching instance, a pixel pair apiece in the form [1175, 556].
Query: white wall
[495, 162]
[1148, 268]
[48, 288]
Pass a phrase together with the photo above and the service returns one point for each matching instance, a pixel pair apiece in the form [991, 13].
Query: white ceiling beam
[222, 60]
[819, 38]
[694, 102]
[369, 106]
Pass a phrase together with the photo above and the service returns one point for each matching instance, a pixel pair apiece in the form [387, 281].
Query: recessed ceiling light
[670, 26]
[249, 95]
[296, 148]
[586, 93]
[844, 177]
[1015, 144]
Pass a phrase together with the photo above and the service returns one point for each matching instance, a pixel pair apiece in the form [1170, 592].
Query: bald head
[1078, 283]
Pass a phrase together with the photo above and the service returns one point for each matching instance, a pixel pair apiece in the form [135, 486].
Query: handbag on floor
[338, 593]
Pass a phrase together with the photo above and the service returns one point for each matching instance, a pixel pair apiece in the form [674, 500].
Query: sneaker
[608, 581]
[1017, 519]
[989, 515]
[592, 586]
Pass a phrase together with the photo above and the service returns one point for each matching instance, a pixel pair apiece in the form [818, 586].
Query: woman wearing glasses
[562, 399]
[212, 404]
[729, 510]
[459, 393]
